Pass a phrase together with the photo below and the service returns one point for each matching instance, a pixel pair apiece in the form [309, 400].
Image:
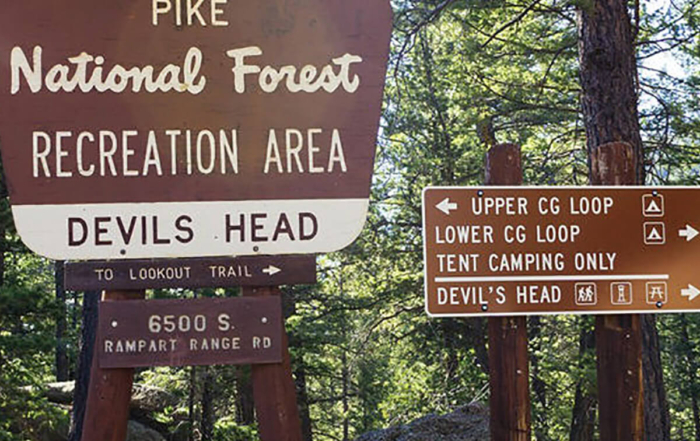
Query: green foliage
[226, 429]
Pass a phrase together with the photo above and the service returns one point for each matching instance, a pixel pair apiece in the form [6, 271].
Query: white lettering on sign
[533, 294]
[230, 271]
[192, 9]
[526, 262]
[303, 79]
[152, 273]
[464, 234]
[510, 206]
[185, 78]
[294, 145]
[63, 154]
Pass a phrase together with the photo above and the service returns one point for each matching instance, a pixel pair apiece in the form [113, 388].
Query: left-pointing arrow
[271, 270]
[446, 206]
[692, 292]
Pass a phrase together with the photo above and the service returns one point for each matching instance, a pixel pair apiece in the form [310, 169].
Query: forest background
[463, 76]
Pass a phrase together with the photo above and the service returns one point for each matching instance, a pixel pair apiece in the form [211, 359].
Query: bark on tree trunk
[609, 99]
[539, 387]
[245, 408]
[657, 419]
[3, 248]
[692, 368]
[296, 343]
[208, 405]
[583, 413]
[346, 405]
[61, 352]
[609, 82]
[303, 401]
[88, 334]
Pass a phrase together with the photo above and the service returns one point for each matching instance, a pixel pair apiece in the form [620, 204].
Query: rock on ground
[469, 423]
[145, 398]
[139, 432]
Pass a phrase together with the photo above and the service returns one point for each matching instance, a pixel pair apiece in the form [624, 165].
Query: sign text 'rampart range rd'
[538, 250]
[242, 330]
[179, 129]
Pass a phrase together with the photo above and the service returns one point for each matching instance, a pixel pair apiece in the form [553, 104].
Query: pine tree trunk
[608, 72]
[88, 335]
[245, 407]
[296, 343]
[692, 367]
[61, 352]
[609, 101]
[539, 387]
[303, 401]
[208, 418]
[657, 420]
[346, 406]
[583, 413]
[3, 249]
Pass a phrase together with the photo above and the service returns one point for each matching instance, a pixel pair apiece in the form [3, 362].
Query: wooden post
[274, 392]
[618, 337]
[107, 410]
[508, 357]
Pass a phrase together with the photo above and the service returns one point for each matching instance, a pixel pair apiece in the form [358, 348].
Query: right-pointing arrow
[446, 206]
[689, 233]
[271, 270]
[691, 292]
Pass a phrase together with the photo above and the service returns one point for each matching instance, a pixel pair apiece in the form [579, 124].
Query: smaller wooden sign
[208, 331]
[191, 273]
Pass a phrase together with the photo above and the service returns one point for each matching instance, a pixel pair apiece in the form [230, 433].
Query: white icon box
[654, 233]
[653, 206]
[657, 292]
[621, 293]
[586, 294]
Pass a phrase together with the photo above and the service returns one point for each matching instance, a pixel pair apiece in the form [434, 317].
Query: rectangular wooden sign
[191, 273]
[540, 250]
[208, 331]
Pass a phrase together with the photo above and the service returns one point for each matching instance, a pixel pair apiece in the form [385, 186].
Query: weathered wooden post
[618, 337]
[107, 410]
[508, 355]
[274, 392]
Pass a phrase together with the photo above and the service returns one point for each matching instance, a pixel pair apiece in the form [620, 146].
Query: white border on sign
[651, 189]
[328, 225]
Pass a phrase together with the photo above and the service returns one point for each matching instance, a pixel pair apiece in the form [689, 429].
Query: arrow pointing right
[689, 233]
[692, 292]
[271, 270]
[446, 206]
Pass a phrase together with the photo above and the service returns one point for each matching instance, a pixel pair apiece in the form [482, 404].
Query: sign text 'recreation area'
[520, 250]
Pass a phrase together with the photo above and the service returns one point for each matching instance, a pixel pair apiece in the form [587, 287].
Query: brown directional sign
[191, 273]
[538, 250]
[165, 128]
[140, 333]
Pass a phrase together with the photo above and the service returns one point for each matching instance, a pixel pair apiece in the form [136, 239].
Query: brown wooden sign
[139, 333]
[538, 250]
[191, 273]
[145, 129]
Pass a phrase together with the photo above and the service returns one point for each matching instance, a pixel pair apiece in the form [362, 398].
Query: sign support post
[274, 392]
[618, 337]
[109, 393]
[508, 358]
